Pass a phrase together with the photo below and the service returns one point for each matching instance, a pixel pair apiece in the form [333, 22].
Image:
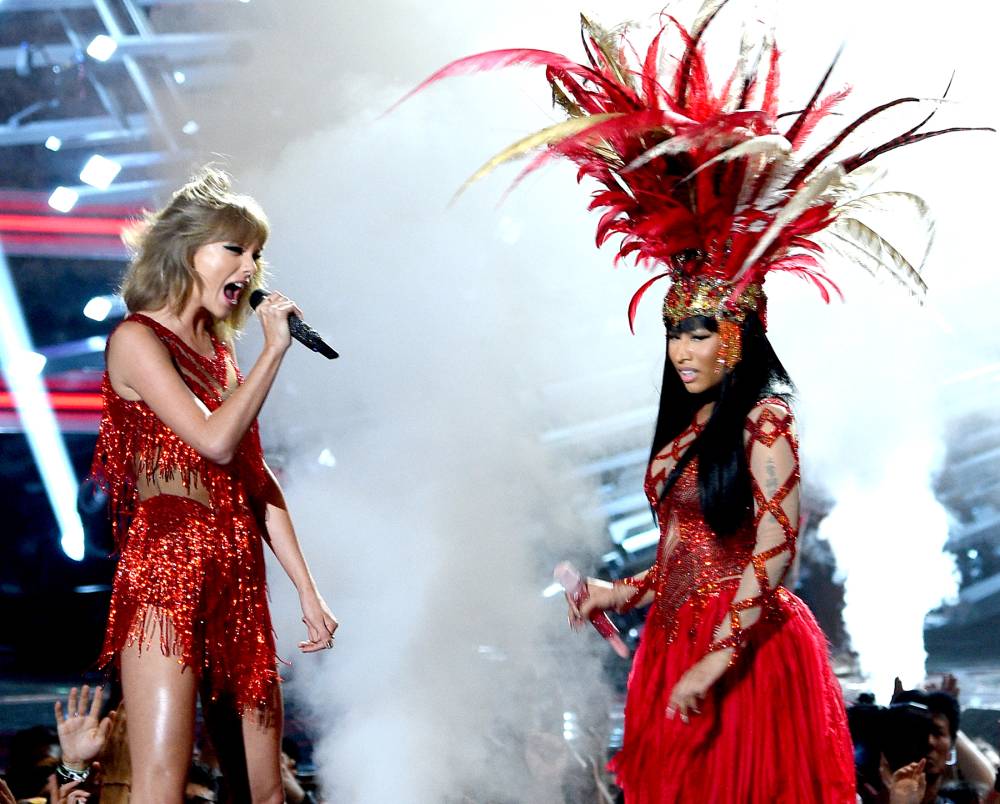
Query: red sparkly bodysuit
[773, 727]
[191, 568]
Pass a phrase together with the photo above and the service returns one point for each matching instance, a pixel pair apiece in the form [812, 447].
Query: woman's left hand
[320, 622]
[692, 687]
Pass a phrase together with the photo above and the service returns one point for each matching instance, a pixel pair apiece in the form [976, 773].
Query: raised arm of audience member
[973, 764]
[82, 733]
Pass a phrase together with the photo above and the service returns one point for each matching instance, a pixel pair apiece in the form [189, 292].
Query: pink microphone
[569, 578]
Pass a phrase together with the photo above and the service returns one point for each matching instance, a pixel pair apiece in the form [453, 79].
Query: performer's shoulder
[133, 336]
[775, 408]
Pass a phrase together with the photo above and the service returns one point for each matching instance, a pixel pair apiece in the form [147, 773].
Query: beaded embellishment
[693, 565]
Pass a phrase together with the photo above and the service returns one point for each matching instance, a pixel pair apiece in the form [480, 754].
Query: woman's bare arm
[319, 620]
[139, 362]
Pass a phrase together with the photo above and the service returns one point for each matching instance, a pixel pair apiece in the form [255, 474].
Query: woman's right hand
[82, 731]
[602, 596]
[273, 313]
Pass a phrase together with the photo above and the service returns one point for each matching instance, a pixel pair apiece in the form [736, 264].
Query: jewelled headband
[695, 295]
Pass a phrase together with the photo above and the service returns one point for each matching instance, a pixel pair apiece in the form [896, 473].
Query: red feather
[494, 60]
[633, 304]
[677, 201]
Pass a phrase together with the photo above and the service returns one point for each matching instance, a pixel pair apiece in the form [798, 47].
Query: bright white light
[190, 127]
[179, 76]
[26, 362]
[326, 458]
[99, 172]
[97, 342]
[552, 590]
[63, 199]
[35, 362]
[102, 47]
[640, 541]
[21, 367]
[98, 308]
[53, 143]
[973, 553]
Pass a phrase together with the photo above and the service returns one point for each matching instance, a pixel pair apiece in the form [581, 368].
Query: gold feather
[562, 99]
[770, 145]
[546, 136]
[896, 205]
[705, 13]
[880, 252]
[858, 182]
[796, 205]
[605, 42]
[884, 202]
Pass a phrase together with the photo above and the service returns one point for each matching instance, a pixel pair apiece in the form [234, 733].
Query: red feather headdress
[704, 182]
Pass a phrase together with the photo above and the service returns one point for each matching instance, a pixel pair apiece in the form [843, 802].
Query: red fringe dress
[190, 573]
[773, 728]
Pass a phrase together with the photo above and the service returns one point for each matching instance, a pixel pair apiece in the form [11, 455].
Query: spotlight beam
[36, 415]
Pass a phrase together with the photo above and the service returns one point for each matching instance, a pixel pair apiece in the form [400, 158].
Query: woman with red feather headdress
[731, 695]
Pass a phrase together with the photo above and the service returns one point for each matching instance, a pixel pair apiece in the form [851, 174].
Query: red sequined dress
[773, 728]
[190, 574]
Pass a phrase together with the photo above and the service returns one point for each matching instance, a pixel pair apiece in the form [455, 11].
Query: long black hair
[723, 474]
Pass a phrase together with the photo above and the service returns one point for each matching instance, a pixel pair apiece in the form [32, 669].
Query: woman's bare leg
[160, 700]
[248, 747]
[262, 743]
[225, 730]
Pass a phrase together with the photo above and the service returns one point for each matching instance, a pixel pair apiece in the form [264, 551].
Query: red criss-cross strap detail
[772, 455]
[664, 462]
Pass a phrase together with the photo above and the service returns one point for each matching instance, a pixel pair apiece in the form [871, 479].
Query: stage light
[21, 369]
[26, 362]
[102, 47]
[53, 143]
[97, 308]
[99, 172]
[179, 76]
[63, 199]
[326, 458]
[191, 127]
[552, 590]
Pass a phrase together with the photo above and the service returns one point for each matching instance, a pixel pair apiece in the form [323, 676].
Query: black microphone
[300, 330]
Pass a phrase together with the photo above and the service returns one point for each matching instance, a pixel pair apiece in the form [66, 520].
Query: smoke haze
[429, 491]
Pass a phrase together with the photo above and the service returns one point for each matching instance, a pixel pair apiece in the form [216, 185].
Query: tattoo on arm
[771, 483]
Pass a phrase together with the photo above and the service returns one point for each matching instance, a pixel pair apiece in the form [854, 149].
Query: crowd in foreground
[86, 759]
[912, 751]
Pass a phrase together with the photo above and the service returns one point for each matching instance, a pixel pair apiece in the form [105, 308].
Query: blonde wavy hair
[162, 246]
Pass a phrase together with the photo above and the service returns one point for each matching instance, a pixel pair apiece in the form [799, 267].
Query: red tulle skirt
[772, 730]
[191, 582]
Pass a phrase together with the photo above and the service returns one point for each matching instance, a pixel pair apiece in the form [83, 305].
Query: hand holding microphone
[299, 329]
[576, 590]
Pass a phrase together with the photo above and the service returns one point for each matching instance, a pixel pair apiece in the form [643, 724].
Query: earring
[731, 346]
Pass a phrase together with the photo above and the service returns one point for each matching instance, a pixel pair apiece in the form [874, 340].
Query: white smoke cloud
[437, 528]
[468, 332]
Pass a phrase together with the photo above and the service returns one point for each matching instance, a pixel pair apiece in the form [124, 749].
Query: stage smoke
[428, 499]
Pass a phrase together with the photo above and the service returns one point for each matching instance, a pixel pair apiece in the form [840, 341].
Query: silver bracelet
[67, 775]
